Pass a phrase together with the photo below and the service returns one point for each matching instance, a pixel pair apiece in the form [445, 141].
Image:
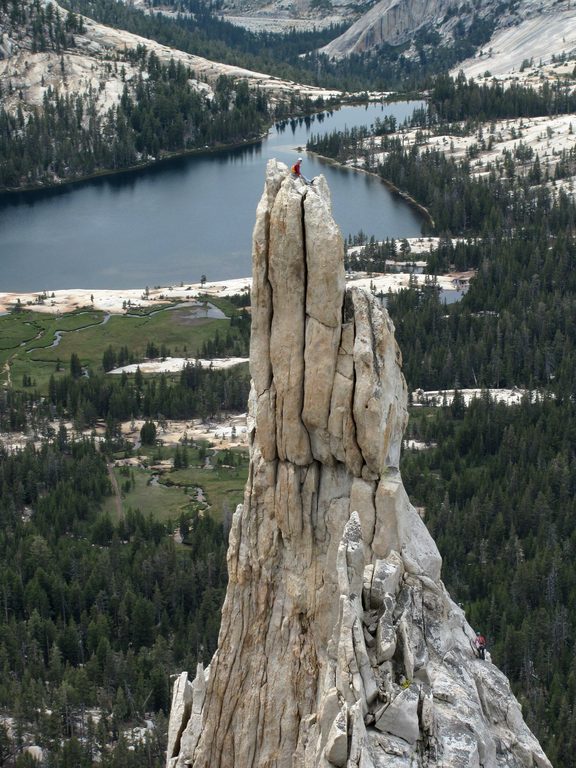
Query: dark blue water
[183, 218]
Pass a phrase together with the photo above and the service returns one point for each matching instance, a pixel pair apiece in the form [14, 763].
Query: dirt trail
[116, 489]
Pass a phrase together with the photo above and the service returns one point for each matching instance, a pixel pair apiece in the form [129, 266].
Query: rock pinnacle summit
[339, 644]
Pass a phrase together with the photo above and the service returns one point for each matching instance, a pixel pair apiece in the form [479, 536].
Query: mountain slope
[511, 48]
[89, 58]
[394, 22]
[441, 23]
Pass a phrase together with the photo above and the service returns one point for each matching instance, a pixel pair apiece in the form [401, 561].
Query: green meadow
[167, 494]
[35, 346]
[29, 357]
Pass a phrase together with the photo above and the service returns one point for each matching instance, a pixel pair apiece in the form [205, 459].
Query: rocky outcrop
[394, 22]
[339, 645]
[84, 69]
[397, 22]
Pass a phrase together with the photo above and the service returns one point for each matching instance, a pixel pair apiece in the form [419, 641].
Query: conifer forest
[97, 612]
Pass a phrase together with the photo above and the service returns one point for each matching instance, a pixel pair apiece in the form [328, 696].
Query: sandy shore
[119, 301]
[128, 300]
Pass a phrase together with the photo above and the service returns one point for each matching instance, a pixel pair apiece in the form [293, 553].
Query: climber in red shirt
[480, 645]
[297, 172]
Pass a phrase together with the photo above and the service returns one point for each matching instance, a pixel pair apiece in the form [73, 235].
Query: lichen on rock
[339, 645]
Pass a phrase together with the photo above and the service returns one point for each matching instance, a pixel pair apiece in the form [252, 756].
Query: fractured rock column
[339, 645]
[287, 275]
[290, 522]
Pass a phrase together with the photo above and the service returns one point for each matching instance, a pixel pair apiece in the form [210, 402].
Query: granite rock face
[399, 22]
[339, 644]
[394, 22]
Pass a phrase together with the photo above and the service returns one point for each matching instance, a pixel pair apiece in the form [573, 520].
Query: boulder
[400, 717]
[179, 713]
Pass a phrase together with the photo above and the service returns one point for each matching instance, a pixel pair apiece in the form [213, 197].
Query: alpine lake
[185, 217]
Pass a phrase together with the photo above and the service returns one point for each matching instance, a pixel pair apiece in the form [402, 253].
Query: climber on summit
[480, 645]
[297, 173]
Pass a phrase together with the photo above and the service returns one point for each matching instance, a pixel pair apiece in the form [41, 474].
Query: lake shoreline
[155, 162]
[185, 217]
[196, 151]
[408, 199]
[124, 301]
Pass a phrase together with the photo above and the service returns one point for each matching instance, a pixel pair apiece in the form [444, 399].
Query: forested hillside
[294, 55]
[80, 99]
[101, 603]
[196, 28]
[161, 114]
[44, 25]
[96, 614]
[74, 131]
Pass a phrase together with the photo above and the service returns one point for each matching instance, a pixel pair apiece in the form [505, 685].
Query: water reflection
[183, 217]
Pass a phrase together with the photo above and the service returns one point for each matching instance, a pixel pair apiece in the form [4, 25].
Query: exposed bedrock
[339, 645]
[394, 22]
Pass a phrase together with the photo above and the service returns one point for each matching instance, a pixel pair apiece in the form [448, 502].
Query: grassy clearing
[175, 491]
[27, 338]
[18, 329]
[223, 487]
[151, 498]
[39, 372]
[167, 328]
